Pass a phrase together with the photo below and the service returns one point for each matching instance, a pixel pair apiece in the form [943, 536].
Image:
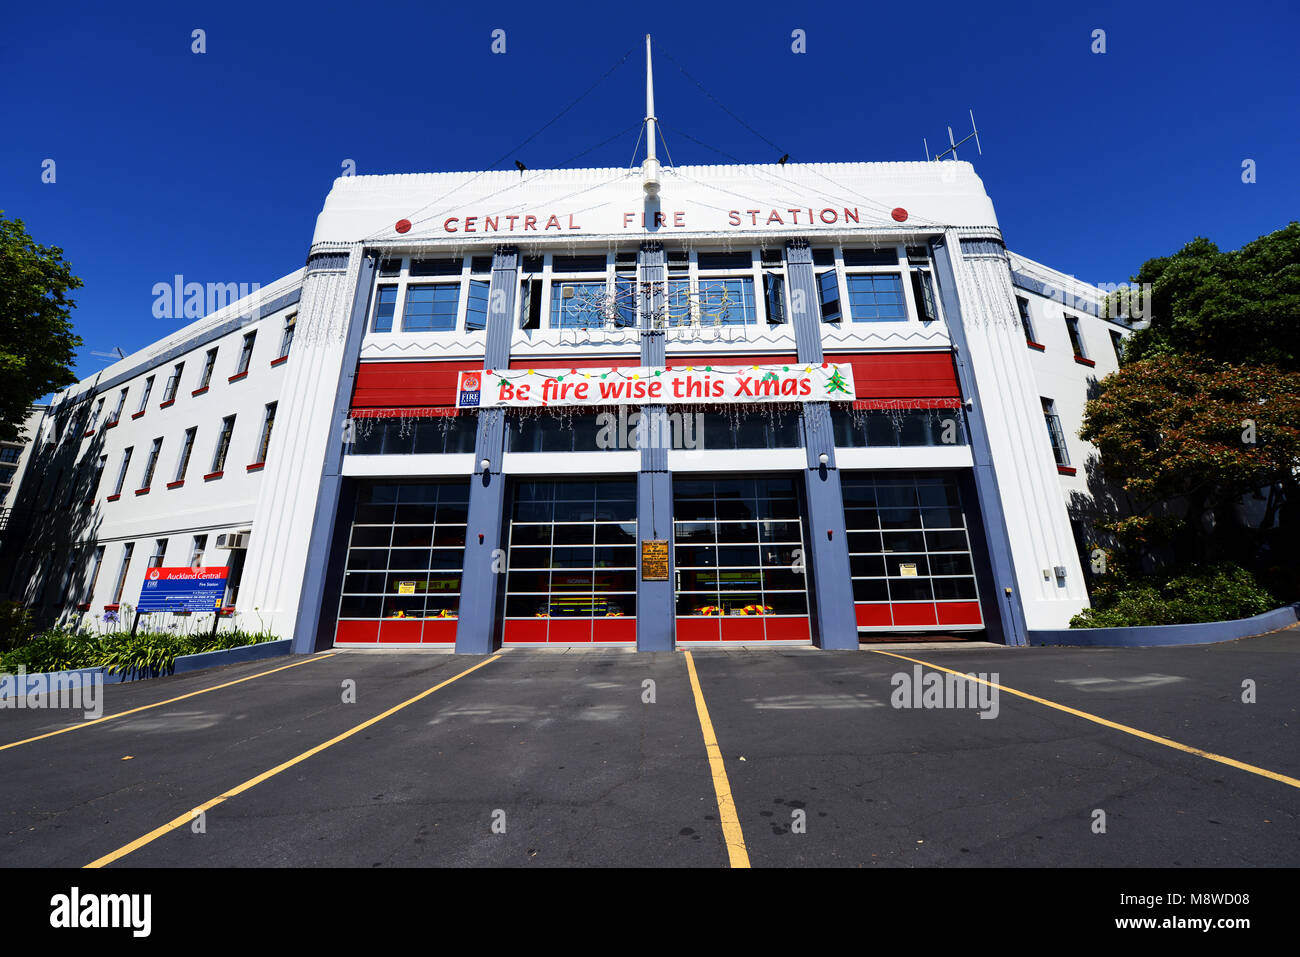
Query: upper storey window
[868, 284]
[432, 294]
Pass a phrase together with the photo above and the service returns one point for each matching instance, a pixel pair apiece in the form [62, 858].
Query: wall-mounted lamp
[823, 458]
[485, 465]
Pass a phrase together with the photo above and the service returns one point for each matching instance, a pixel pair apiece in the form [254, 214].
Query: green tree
[1241, 307]
[36, 339]
[1183, 437]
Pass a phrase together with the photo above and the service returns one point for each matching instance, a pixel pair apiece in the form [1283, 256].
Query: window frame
[148, 390]
[246, 353]
[151, 466]
[268, 422]
[209, 364]
[222, 449]
[187, 450]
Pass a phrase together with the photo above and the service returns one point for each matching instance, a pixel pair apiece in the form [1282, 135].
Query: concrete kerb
[1154, 636]
[184, 663]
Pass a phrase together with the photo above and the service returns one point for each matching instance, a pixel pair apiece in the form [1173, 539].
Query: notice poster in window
[654, 560]
[907, 570]
[408, 588]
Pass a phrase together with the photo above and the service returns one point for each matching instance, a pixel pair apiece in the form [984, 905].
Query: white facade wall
[704, 208]
[199, 506]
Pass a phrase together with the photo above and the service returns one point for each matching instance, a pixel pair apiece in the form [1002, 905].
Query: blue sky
[214, 166]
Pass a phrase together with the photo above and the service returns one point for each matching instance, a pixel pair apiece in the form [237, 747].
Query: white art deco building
[799, 403]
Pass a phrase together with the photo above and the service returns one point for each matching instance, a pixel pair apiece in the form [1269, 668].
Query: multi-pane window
[1055, 433]
[738, 545]
[97, 562]
[876, 298]
[267, 424]
[246, 353]
[572, 551]
[10, 453]
[144, 399]
[99, 407]
[7, 475]
[828, 294]
[186, 448]
[398, 436]
[476, 309]
[173, 383]
[385, 304]
[907, 542]
[121, 403]
[209, 363]
[1022, 304]
[434, 293]
[286, 340]
[127, 549]
[727, 302]
[1076, 338]
[1117, 343]
[121, 474]
[918, 260]
[406, 552]
[197, 548]
[894, 428]
[576, 305]
[431, 307]
[99, 475]
[159, 553]
[726, 299]
[223, 444]
[152, 463]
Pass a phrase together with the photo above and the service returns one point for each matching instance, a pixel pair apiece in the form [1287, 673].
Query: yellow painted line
[159, 704]
[731, 833]
[183, 819]
[1146, 735]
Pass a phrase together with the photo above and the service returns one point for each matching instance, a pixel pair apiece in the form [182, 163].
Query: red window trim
[1035, 345]
[113, 607]
[1085, 362]
[87, 434]
[176, 484]
[110, 425]
[255, 467]
[113, 498]
[280, 361]
[238, 375]
[199, 391]
[213, 475]
[163, 405]
[136, 415]
[142, 491]
[1067, 469]
[84, 606]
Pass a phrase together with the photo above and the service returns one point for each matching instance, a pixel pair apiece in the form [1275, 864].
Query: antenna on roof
[650, 168]
[952, 146]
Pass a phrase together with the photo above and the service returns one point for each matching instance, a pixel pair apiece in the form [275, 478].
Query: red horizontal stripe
[902, 375]
[907, 404]
[406, 412]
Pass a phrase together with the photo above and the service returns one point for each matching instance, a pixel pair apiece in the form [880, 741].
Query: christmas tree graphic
[836, 384]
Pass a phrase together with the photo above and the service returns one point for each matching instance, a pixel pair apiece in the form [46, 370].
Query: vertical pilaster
[835, 624]
[293, 527]
[1042, 566]
[655, 613]
[1011, 615]
[476, 625]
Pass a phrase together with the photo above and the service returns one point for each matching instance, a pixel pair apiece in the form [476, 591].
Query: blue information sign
[183, 589]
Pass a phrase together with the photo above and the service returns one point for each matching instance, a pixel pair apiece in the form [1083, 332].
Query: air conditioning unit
[232, 540]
